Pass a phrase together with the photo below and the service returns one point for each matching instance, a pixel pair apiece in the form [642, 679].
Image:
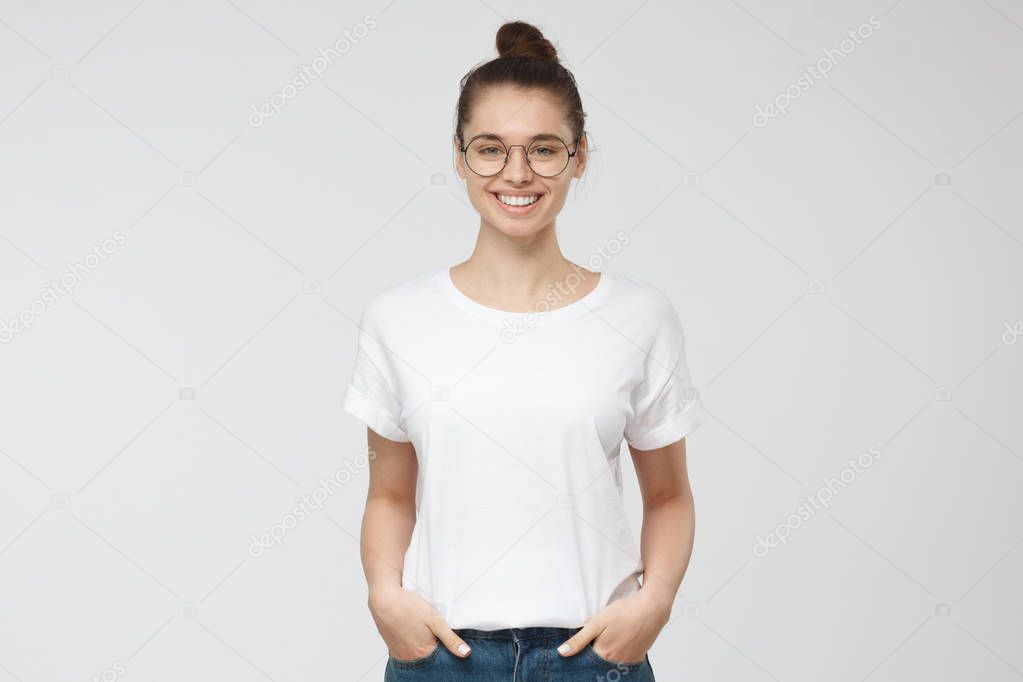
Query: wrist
[381, 593]
[659, 598]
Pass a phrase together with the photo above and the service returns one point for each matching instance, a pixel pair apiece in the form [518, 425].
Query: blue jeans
[516, 655]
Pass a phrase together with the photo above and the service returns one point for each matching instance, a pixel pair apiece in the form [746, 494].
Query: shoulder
[397, 302]
[643, 299]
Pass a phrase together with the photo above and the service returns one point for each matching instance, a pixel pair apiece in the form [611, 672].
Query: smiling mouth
[517, 205]
[517, 200]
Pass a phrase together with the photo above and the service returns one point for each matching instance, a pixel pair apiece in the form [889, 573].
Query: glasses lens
[485, 156]
[548, 157]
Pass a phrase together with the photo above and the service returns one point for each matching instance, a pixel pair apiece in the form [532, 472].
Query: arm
[669, 521]
[390, 513]
[407, 622]
[627, 627]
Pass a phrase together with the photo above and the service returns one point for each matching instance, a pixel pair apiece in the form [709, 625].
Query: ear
[581, 156]
[459, 158]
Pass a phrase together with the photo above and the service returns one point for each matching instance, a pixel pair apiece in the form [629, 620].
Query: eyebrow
[495, 136]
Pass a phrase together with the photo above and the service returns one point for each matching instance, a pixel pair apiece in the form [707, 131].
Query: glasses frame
[525, 152]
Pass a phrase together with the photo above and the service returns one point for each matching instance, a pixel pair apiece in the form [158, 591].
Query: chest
[530, 390]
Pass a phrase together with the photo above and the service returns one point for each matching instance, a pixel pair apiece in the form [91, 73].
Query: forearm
[386, 531]
[666, 545]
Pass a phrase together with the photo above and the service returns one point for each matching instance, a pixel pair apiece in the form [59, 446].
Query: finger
[450, 639]
[576, 642]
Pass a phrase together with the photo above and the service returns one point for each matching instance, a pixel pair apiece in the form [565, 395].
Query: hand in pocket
[410, 627]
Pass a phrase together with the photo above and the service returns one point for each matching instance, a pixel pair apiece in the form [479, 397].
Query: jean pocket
[413, 663]
[624, 667]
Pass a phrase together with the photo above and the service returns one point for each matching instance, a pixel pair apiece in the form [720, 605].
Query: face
[518, 116]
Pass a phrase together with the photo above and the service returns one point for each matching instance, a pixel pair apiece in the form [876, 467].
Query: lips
[517, 210]
[516, 199]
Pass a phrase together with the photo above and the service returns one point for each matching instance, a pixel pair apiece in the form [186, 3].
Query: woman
[497, 394]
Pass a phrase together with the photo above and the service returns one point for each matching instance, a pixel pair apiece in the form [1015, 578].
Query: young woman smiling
[495, 540]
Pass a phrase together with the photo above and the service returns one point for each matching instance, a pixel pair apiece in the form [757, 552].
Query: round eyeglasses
[547, 155]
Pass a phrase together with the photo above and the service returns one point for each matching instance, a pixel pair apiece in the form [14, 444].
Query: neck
[515, 272]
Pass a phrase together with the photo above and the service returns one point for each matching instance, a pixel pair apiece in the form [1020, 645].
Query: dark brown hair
[528, 60]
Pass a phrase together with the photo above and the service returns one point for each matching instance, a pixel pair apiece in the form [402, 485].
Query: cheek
[557, 197]
[480, 198]
[480, 194]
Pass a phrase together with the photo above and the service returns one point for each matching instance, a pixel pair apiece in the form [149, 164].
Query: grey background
[848, 276]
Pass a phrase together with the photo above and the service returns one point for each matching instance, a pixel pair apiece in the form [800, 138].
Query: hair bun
[519, 39]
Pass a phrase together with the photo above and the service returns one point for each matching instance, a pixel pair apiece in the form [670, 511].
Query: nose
[517, 168]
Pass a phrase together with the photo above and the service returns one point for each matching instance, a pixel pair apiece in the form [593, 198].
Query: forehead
[517, 115]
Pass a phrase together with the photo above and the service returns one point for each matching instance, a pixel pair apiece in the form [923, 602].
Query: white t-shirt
[517, 421]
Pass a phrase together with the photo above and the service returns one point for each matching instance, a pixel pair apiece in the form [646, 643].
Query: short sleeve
[371, 396]
[665, 404]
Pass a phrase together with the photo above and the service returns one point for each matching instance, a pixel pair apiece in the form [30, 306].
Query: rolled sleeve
[666, 405]
[370, 396]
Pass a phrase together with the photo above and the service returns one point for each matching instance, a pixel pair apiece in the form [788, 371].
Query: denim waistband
[518, 634]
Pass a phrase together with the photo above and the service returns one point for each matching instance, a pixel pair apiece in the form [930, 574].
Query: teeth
[517, 201]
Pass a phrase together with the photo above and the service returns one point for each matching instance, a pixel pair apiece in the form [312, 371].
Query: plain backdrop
[847, 272]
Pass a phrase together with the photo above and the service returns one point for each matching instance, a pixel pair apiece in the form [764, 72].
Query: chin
[517, 228]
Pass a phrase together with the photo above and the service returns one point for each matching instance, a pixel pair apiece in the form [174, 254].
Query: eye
[543, 151]
[490, 150]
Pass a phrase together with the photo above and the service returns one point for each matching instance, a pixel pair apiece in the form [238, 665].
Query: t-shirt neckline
[577, 307]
